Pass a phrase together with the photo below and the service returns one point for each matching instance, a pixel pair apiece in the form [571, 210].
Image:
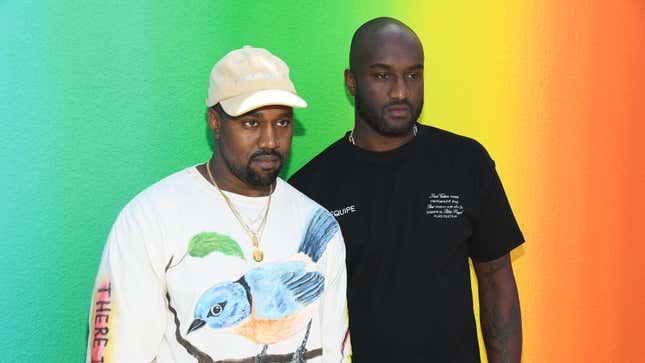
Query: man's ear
[214, 123]
[350, 82]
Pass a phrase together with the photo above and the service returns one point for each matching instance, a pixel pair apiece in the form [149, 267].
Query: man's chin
[262, 178]
[392, 126]
[395, 129]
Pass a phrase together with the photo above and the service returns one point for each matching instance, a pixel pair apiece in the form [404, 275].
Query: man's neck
[365, 137]
[227, 181]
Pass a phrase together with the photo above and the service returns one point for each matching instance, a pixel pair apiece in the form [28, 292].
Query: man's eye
[283, 123]
[251, 123]
[413, 75]
[382, 76]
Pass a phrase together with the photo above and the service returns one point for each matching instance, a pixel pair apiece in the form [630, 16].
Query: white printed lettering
[343, 211]
[444, 206]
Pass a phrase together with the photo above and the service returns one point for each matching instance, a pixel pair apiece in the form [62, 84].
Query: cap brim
[244, 103]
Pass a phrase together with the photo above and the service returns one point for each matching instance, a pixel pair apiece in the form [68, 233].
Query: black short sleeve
[495, 231]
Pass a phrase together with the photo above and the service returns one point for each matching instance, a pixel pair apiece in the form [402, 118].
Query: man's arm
[499, 310]
[334, 320]
[128, 314]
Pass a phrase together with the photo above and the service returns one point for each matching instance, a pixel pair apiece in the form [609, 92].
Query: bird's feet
[258, 358]
[299, 355]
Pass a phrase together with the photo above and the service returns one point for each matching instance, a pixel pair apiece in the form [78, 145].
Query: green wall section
[100, 100]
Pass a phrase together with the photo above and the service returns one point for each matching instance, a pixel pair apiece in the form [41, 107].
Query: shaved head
[386, 79]
[373, 33]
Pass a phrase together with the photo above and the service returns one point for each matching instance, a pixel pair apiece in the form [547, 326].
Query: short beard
[376, 119]
[250, 176]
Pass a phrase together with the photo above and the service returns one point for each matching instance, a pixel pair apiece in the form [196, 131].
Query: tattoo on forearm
[501, 321]
[498, 331]
[496, 265]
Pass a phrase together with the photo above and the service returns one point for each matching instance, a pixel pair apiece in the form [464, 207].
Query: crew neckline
[238, 198]
[382, 157]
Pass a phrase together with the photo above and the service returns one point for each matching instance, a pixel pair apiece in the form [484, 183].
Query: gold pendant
[258, 255]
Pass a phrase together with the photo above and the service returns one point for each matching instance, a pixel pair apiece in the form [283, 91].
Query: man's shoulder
[165, 192]
[320, 164]
[168, 187]
[295, 196]
[329, 154]
[452, 144]
[448, 138]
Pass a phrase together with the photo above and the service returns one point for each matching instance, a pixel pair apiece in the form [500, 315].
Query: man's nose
[399, 90]
[268, 137]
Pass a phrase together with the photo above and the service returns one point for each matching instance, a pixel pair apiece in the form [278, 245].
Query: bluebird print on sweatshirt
[272, 301]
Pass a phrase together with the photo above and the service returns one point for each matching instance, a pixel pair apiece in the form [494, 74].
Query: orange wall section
[593, 72]
[554, 92]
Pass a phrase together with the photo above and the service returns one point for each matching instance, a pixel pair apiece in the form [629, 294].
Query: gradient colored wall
[100, 100]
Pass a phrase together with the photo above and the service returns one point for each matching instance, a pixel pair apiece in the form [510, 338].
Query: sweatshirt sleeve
[128, 312]
[334, 319]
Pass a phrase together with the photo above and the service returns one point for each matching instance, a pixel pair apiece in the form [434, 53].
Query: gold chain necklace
[255, 236]
[351, 134]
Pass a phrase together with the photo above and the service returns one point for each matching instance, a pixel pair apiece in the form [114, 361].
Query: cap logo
[258, 76]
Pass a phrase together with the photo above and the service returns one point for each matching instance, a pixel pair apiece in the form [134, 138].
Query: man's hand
[499, 310]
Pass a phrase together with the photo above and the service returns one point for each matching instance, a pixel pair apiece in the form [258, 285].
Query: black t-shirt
[411, 217]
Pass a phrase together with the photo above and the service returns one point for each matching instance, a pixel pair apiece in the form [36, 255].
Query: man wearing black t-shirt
[414, 203]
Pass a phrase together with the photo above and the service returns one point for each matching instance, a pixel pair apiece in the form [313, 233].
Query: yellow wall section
[476, 77]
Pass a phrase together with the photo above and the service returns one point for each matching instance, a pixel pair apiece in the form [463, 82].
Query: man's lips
[266, 161]
[398, 110]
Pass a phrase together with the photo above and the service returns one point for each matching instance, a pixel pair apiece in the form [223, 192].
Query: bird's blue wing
[283, 288]
[305, 287]
[320, 229]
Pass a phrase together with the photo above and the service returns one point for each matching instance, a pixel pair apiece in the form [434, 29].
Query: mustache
[398, 103]
[258, 153]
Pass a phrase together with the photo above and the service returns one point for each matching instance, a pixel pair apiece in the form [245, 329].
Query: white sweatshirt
[178, 282]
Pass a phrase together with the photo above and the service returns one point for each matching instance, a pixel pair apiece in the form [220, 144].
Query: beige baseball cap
[249, 78]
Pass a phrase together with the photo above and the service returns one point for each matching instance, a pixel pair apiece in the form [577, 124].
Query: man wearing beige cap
[224, 261]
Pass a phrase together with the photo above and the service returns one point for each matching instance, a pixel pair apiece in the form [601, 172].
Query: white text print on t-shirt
[444, 206]
[344, 210]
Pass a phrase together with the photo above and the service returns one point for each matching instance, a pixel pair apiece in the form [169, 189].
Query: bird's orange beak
[196, 324]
